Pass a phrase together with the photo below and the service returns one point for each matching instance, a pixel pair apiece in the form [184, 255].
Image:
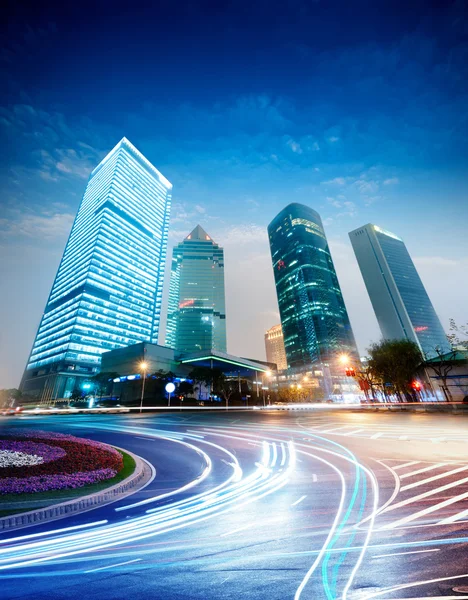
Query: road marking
[403, 437]
[233, 531]
[355, 431]
[426, 511]
[335, 429]
[437, 440]
[407, 464]
[314, 477]
[453, 518]
[300, 500]
[448, 486]
[376, 435]
[423, 470]
[235, 421]
[147, 439]
[405, 586]
[429, 479]
[112, 566]
[411, 552]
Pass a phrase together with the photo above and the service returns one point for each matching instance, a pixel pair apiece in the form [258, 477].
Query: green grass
[43, 499]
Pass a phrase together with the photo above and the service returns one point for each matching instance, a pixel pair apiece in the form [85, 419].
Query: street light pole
[143, 367]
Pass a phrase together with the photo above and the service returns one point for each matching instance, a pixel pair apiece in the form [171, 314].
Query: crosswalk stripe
[454, 518]
[426, 511]
[408, 464]
[376, 435]
[429, 479]
[423, 470]
[354, 431]
[426, 494]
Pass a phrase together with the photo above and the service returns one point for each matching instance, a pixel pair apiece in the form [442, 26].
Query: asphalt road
[275, 505]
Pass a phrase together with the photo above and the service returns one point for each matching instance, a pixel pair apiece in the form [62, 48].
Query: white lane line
[314, 477]
[401, 553]
[113, 566]
[354, 431]
[376, 435]
[453, 518]
[148, 439]
[235, 421]
[434, 478]
[426, 511]
[403, 437]
[233, 531]
[437, 440]
[300, 500]
[423, 470]
[407, 464]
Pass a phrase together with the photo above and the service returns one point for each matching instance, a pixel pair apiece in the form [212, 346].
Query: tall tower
[274, 346]
[315, 322]
[108, 289]
[400, 301]
[196, 318]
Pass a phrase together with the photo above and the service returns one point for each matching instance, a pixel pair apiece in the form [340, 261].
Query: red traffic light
[416, 385]
[350, 372]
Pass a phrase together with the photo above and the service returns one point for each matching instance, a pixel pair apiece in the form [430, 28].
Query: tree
[442, 365]
[368, 380]
[396, 362]
[102, 381]
[212, 378]
[185, 389]
[224, 387]
[458, 335]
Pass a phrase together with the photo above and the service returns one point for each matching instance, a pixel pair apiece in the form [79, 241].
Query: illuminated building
[274, 346]
[196, 316]
[108, 289]
[400, 301]
[314, 319]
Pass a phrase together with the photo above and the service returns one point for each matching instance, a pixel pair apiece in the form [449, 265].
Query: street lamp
[170, 387]
[344, 359]
[143, 366]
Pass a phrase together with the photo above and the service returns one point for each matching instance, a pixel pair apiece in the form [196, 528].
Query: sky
[357, 109]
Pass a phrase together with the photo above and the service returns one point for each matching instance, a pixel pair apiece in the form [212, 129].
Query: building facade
[196, 318]
[400, 301]
[108, 289]
[274, 346]
[314, 319]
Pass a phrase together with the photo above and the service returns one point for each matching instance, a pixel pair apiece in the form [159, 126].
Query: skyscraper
[274, 346]
[108, 289]
[401, 304]
[315, 322]
[196, 318]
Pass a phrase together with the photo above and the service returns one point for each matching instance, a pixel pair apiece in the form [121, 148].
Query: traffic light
[350, 372]
[416, 385]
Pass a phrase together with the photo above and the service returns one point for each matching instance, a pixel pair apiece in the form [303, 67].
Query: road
[274, 505]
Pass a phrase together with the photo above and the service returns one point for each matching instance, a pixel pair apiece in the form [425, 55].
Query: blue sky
[359, 110]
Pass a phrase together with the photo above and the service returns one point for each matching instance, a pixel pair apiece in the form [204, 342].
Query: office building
[400, 301]
[274, 346]
[314, 319]
[108, 289]
[196, 318]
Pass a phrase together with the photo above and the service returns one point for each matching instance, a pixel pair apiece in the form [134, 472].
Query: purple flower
[45, 483]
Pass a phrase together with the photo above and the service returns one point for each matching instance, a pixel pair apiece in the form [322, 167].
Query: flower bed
[67, 462]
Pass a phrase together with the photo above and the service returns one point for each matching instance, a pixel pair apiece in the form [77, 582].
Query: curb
[143, 474]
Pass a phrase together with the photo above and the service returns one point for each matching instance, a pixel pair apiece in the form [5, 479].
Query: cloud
[295, 146]
[200, 209]
[333, 139]
[43, 225]
[335, 181]
[391, 181]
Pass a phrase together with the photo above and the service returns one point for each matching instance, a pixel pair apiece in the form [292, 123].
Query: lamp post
[143, 367]
[170, 387]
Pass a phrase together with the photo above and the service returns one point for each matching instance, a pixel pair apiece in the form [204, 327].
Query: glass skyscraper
[314, 319]
[196, 317]
[400, 301]
[108, 289]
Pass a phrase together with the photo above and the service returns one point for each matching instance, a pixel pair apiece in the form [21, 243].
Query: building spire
[199, 234]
